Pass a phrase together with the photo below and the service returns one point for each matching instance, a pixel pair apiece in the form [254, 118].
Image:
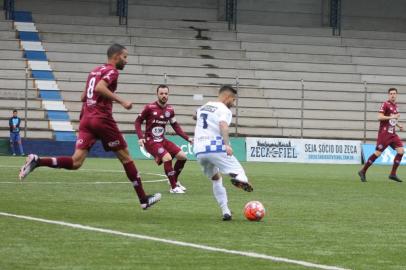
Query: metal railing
[231, 14]
[8, 6]
[122, 12]
[335, 17]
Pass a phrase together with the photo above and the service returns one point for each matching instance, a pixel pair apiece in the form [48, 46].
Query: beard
[120, 65]
[163, 101]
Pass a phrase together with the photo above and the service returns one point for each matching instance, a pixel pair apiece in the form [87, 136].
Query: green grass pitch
[316, 213]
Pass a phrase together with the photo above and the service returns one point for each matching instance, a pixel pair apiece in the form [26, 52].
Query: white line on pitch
[177, 243]
[80, 183]
[87, 170]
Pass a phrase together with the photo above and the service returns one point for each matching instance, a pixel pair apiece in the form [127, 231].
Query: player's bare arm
[382, 117]
[226, 138]
[138, 128]
[102, 89]
[83, 96]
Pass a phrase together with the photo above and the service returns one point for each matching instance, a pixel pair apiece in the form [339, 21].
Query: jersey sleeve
[383, 108]
[172, 120]
[224, 115]
[140, 119]
[110, 76]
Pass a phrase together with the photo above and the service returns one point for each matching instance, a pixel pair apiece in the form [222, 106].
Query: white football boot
[176, 190]
[30, 164]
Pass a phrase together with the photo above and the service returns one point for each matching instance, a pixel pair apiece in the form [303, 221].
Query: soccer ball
[254, 211]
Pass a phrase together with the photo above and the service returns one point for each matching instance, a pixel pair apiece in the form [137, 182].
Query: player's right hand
[127, 105]
[229, 150]
[396, 116]
[141, 142]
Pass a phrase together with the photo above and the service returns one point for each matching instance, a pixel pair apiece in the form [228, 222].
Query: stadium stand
[285, 73]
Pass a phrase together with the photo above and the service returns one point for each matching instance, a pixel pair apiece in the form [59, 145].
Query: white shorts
[212, 163]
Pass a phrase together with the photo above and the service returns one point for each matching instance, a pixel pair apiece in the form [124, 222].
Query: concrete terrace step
[145, 50]
[132, 22]
[143, 63]
[183, 33]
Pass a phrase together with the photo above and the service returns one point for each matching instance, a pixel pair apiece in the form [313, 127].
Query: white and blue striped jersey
[207, 138]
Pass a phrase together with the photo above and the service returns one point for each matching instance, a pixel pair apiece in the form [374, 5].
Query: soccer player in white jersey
[212, 146]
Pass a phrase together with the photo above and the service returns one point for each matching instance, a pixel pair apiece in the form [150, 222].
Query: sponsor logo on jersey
[113, 143]
[167, 114]
[158, 131]
[161, 150]
[160, 122]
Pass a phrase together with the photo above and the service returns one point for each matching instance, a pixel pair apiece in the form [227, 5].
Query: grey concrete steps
[132, 22]
[138, 31]
[9, 44]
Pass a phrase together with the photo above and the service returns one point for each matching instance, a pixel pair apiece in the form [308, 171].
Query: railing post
[231, 14]
[237, 84]
[122, 11]
[165, 78]
[365, 110]
[302, 110]
[26, 103]
[335, 17]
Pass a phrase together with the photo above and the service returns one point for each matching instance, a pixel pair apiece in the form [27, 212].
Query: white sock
[220, 194]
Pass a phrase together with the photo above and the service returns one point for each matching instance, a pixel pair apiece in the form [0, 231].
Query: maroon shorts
[106, 130]
[387, 139]
[159, 149]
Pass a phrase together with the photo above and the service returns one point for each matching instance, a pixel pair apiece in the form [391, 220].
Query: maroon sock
[178, 167]
[57, 162]
[135, 179]
[170, 173]
[369, 162]
[396, 163]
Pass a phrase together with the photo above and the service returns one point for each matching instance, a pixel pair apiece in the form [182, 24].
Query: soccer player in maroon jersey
[388, 117]
[97, 123]
[157, 115]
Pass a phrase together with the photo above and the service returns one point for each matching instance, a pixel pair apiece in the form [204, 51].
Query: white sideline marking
[87, 170]
[177, 243]
[84, 183]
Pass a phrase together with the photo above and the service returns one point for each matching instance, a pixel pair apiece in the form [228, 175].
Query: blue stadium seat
[65, 136]
[35, 55]
[58, 115]
[50, 94]
[22, 16]
[28, 36]
[42, 75]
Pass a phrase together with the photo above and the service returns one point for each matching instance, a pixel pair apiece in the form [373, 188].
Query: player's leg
[231, 166]
[20, 144]
[398, 146]
[65, 162]
[12, 143]
[181, 159]
[171, 173]
[381, 145]
[219, 191]
[132, 173]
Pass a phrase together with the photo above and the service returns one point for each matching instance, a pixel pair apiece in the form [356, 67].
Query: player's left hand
[401, 128]
[190, 140]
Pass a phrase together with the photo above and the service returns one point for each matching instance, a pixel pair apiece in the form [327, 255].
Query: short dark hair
[225, 88]
[392, 89]
[115, 48]
[162, 86]
[14, 110]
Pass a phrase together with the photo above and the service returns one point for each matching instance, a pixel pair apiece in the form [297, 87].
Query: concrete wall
[383, 15]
